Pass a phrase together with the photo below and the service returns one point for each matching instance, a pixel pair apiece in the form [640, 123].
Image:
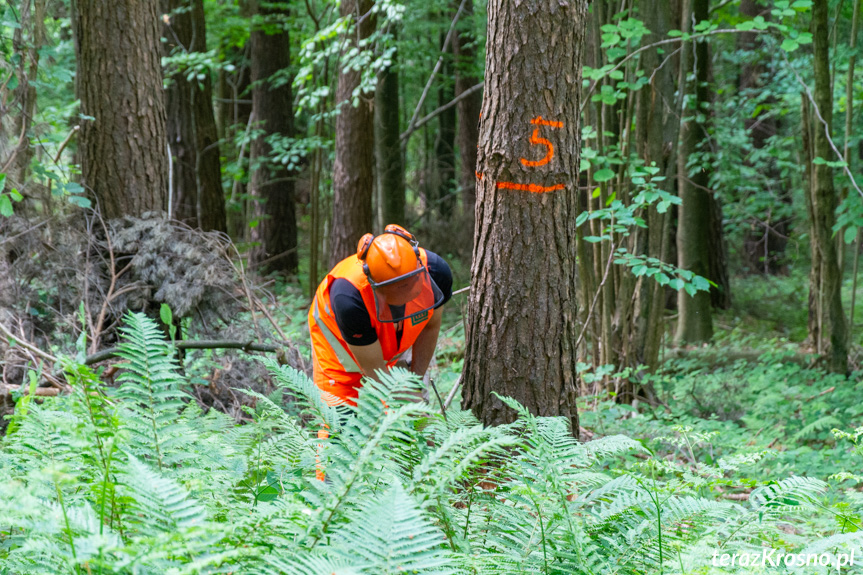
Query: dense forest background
[652, 209]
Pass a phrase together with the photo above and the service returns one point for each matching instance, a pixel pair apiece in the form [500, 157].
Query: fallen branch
[26, 345]
[8, 388]
[192, 344]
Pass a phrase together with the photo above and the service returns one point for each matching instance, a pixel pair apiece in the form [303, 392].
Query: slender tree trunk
[522, 325]
[353, 173]
[815, 266]
[444, 145]
[657, 131]
[272, 183]
[235, 109]
[849, 116]
[27, 42]
[694, 224]
[389, 156]
[765, 242]
[464, 55]
[824, 198]
[192, 134]
[124, 148]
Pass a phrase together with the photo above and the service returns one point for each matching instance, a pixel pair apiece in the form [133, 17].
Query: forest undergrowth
[738, 457]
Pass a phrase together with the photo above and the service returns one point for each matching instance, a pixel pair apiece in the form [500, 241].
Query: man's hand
[371, 357]
[423, 348]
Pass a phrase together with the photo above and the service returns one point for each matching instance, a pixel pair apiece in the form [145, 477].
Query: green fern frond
[158, 504]
[389, 535]
[787, 493]
[304, 393]
[149, 390]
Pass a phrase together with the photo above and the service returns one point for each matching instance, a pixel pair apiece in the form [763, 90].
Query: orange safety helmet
[392, 264]
[389, 256]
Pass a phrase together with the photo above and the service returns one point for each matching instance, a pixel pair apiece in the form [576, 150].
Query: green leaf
[79, 201]
[789, 45]
[850, 234]
[582, 217]
[676, 284]
[593, 239]
[700, 283]
[603, 175]
[16, 195]
[268, 493]
[165, 314]
[2, 181]
[5, 206]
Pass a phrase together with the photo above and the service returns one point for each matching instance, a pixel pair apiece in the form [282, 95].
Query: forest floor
[764, 418]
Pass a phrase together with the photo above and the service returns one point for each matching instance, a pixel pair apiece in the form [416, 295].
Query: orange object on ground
[319, 469]
[336, 371]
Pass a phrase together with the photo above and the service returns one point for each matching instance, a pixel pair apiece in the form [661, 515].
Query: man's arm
[423, 348]
[370, 358]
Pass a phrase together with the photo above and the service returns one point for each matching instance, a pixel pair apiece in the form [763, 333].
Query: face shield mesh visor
[406, 296]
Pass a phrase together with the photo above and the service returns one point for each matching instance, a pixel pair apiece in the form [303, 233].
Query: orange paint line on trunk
[478, 175]
[535, 188]
[538, 121]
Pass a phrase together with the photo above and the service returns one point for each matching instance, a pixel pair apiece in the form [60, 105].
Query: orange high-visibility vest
[336, 371]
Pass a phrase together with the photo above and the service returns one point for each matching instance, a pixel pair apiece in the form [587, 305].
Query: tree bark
[694, 224]
[388, 148]
[467, 138]
[824, 198]
[27, 42]
[353, 173]
[197, 175]
[657, 131]
[272, 183]
[444, 145]
[235, 109]
[522, 327]
[124, 148]
[765, 242]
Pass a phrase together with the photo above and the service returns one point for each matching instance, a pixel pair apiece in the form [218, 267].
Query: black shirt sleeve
[351, 314]
[441, 274]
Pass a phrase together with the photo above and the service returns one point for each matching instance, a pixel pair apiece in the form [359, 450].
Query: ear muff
[364, 244]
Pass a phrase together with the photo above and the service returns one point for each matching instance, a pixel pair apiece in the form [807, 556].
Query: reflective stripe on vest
[348, 363]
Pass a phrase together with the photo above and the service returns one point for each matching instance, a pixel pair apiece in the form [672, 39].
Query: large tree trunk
[272, 182]
[468, 108]
[197, 177]
[391, 176]
[695, 223]
[522, 325]
[353, 173]
[824, 200]
[124, 148]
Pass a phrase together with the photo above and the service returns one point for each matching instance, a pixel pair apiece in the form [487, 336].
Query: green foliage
[136, 480]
